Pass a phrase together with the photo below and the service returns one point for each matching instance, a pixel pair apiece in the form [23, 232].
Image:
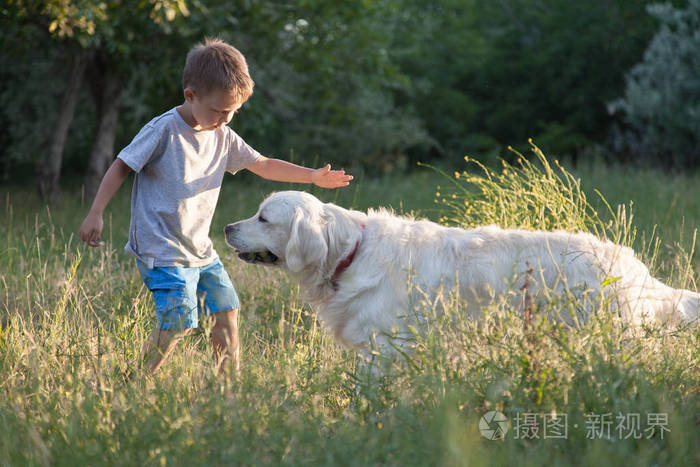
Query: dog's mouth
[258, 257]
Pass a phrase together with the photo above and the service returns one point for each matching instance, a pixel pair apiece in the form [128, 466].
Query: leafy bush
[661, 105]
[488, 74]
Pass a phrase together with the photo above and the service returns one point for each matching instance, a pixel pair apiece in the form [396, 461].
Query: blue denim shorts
[181, 294]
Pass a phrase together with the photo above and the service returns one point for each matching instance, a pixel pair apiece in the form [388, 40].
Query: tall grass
[537, 194]
[73, 321]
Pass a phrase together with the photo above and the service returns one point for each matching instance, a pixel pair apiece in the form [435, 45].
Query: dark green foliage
[378, 84]
[490, 74]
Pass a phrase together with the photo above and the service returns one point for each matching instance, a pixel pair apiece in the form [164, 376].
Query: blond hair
[216, 65]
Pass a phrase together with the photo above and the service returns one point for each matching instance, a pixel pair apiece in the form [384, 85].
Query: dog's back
[489, 261]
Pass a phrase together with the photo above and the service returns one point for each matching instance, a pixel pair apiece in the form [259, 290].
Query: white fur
[400, 260]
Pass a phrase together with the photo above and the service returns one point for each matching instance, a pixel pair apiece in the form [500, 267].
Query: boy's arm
[282, 171]
[91, 229]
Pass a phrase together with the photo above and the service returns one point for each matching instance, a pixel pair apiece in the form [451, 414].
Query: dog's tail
[656, 301]
[676, 305]
[688, 306]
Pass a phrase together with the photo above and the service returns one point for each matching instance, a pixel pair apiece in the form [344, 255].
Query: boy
[179, 159]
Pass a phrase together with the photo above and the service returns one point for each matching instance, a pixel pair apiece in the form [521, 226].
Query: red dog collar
[344, 264]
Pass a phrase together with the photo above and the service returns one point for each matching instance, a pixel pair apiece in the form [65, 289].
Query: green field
[73, 321]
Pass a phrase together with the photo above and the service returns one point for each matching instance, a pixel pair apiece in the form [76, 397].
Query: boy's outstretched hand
[327, 178]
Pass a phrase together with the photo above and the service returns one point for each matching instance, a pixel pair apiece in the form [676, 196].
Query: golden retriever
[366, 273]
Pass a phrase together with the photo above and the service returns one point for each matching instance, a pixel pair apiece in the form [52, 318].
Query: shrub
[661, 105]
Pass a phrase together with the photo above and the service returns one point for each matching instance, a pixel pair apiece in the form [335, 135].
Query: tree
[49, 171]
[490, 74]
[325, 81]
[99, 42]
[661, 104]
[27, 97]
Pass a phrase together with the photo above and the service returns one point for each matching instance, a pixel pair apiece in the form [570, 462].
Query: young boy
[180, 159]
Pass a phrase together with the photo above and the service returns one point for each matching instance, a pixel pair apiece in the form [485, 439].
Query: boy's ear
[189, 94]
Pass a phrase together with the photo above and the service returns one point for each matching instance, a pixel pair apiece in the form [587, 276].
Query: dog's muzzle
[258, 257]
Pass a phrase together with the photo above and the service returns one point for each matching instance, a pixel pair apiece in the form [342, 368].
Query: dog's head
[296, 230]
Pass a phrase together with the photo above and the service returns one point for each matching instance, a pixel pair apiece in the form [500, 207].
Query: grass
[73, 321]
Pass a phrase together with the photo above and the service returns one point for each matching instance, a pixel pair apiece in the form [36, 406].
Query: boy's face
[213, 109]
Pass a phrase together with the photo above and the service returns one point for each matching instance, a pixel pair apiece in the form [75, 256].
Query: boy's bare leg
[159, 345]
[224, 340]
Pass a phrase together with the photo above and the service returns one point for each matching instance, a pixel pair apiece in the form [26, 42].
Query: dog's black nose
[229, 228]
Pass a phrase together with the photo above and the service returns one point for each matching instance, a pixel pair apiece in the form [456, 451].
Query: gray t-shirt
[179, 171]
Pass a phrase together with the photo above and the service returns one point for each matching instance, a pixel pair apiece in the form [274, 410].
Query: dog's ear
[306, 244]
[342, 231]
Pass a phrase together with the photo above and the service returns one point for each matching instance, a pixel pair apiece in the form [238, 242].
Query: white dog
[366, 272]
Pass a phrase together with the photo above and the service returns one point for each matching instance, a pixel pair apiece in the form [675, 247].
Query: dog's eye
[261, 218]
